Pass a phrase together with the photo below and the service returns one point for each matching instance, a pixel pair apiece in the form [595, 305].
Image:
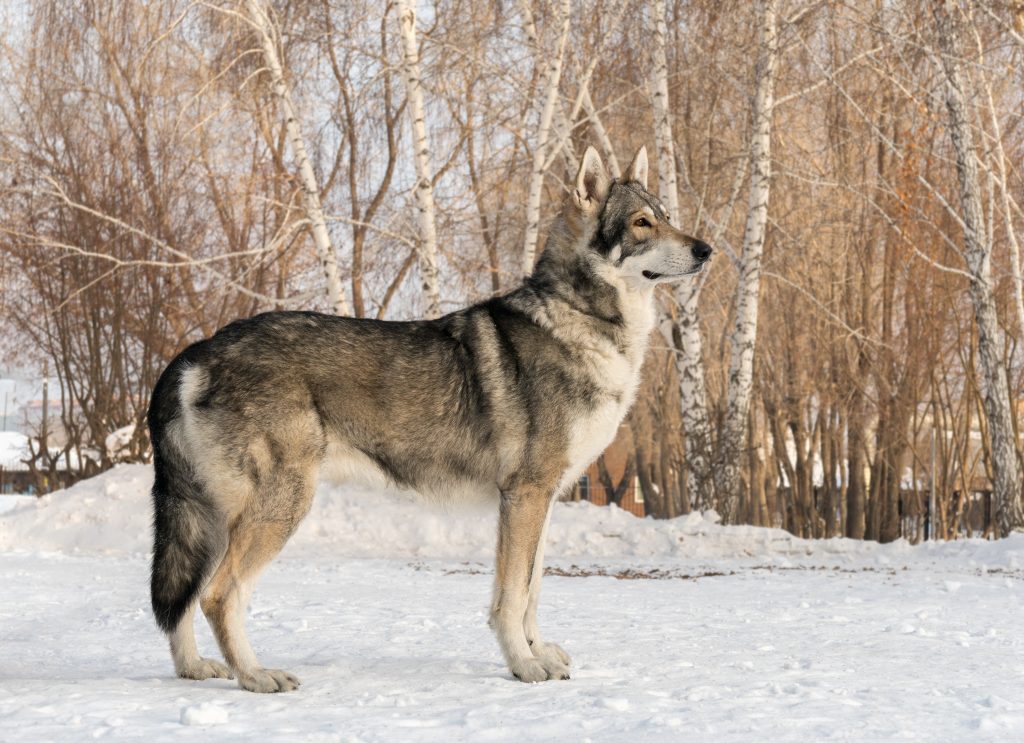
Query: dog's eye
[642, 222]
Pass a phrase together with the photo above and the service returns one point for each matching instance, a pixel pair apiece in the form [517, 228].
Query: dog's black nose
[701, 250]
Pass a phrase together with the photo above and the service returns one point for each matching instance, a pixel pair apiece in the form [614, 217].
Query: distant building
[16, 475]
[589, 486]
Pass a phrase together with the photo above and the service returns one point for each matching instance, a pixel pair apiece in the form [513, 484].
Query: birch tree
[1000, 172]
[260, 18]
[686, 328]
[424, 190]
[549, 81]
[602, 136]
[978, 254]
[744, 335]
[153, 188]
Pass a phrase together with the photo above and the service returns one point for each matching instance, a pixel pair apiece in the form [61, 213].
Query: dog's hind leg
[522, 512]
[256, 539]
[551, 656]
[187, 662]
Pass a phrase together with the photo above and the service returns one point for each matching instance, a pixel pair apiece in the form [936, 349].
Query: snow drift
[111, 514]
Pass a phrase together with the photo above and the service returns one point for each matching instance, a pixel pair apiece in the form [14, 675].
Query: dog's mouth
[654, 275]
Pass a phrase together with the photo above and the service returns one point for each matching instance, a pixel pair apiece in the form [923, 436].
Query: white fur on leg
[187, 662]
[251, 676]
[257, 679]
[507, 621]
[552, 658]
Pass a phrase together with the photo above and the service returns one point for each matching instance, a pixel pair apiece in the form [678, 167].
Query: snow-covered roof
[14, 451]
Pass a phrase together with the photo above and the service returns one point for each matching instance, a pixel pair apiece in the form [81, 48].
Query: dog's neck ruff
[584, 304]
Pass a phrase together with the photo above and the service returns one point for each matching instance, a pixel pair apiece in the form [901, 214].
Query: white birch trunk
[685, 337]
[550, 79]
[260, 18]
[567, 122]
[978, 255]
[424, 190]
[668, 187]
[748, 288]
[1011, 230]
[602, 135]
[1000, 158]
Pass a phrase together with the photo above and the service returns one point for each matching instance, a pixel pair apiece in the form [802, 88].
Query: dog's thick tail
[188, 528]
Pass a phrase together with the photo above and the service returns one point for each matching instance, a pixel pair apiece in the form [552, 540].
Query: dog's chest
[617, 373]
[591, 434]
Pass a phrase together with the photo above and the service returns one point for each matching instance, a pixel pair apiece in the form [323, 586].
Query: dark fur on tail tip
[189, 533]
[187, 542]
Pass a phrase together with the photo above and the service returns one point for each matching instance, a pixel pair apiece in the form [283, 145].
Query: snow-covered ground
[7, 502]
[681, 630]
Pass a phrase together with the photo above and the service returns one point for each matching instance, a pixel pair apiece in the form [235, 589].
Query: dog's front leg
[551, 656]
[522, 514]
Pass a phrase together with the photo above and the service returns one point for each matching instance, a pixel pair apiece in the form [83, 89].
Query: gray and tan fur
[510, 398]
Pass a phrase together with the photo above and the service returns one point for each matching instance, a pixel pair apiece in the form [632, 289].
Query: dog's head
[631, 235]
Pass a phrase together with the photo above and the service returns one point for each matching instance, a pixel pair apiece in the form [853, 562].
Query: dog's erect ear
[591, 183]
[637, 170]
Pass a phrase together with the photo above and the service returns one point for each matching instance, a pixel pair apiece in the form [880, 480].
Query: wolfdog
[511, 398]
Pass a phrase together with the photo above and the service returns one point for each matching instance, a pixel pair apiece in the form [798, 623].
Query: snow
[14, 451]
[206, 713]
[7, 502]
[116, 442]
[680, 629]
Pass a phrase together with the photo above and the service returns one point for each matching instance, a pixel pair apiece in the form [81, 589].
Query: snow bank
[108, 514]
[7, 502]
[111, 514]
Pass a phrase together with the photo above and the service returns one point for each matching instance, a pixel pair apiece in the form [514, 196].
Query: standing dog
[513, 397]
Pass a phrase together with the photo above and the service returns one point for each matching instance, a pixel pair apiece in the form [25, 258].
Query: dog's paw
[529, 671]
[532, 670]
[268, 681]
[556, 670]
[206, 668]
[549, 652]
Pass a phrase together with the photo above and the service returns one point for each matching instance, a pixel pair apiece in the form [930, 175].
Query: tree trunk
[260, 18]
[682, 335]
[803, 482]
[978, 254]
[668, 490]
[885, 502]
[999, 155]
[771, 477]
[755, 456]
[684, 500]
[744, 335]
[643, 473]
[828, 478]
[424, 177]
[549, 84]
[613, 492]
[602, 136]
